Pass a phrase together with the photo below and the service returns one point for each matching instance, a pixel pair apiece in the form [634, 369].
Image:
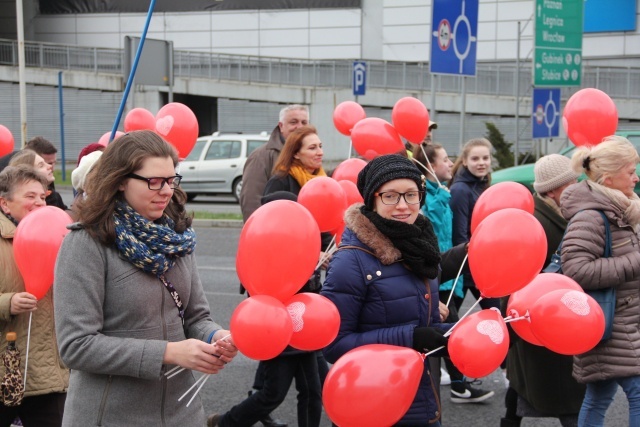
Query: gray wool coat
[113, 322]
[582, 251]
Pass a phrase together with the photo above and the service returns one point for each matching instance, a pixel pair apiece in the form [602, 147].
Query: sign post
[558, 43]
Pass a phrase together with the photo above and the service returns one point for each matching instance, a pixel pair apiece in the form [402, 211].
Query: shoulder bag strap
[607, 236]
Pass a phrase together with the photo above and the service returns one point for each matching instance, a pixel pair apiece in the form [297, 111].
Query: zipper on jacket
[435, 394]
[163, 379]
[103, 403]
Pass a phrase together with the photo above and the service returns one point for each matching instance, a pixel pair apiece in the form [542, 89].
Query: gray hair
[292, 107]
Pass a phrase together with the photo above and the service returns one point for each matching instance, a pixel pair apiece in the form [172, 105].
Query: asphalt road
[216, 252]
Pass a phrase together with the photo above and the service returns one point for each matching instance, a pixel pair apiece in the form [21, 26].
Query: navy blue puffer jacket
[380, 302]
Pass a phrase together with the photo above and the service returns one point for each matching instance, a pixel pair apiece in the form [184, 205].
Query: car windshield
[197, 149]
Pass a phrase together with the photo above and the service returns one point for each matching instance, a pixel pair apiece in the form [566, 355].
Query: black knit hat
[384, 169]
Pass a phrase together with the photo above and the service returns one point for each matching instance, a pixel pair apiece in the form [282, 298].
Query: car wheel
[236, 188]
[191, 196]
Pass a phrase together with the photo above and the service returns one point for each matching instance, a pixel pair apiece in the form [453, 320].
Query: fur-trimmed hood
[369, 234]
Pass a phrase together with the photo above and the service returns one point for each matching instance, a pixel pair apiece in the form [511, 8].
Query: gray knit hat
[551, 172]
[384, 169]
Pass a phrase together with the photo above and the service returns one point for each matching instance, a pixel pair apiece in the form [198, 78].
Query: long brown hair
[431, 150]
[26, 156]
[472, 143]
[123, 156]
[292, 145]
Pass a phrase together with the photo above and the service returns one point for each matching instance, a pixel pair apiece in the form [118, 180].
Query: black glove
[426, 338]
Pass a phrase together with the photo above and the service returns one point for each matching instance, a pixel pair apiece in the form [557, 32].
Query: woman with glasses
[129, 303]
[384, 277]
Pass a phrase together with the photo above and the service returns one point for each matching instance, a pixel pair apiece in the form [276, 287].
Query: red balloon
[316, 321]
[36, 244]
[411, 119]
[104, 139]
[351, 191]
[521, 301]
[346, 115]
[177, 124]
[567, 321]
[326, 201]
[589, 116]
[373, 385]
[261, 327]
[6, 141]
[139, 119]
[373, 137]
[500, 196]
[278, 250]
[506, 252]
[349, 170]
[479, 343]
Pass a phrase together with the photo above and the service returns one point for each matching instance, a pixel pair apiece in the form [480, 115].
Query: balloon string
[330, 250]
[450, 331]
[510, 319]
[430, 170]
[26, 362]
[434, 350]
[177, 369]
[453, 288]
[350, 148]
[193, 386]
[206, 377]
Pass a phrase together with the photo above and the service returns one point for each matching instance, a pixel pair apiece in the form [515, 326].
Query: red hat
[94, 146]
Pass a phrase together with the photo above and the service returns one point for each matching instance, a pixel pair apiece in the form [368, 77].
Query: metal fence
[495, 78]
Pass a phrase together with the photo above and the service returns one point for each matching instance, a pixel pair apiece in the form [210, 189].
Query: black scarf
[416, 242]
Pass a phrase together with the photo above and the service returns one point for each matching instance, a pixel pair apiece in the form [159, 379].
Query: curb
[221, 223]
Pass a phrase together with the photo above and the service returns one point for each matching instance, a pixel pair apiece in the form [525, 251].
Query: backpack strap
[607, 235]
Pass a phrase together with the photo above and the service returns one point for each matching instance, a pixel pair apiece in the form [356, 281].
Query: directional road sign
[545, 121]
[454, 34]
[359, 78]
[558, 43]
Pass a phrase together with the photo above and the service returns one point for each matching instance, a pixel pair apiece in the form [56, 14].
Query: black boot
[270, 422]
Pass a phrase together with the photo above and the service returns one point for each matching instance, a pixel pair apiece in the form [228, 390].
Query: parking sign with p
[359, 77]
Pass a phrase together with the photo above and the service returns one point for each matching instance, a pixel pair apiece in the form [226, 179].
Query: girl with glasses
[384, 277]
[129, 303]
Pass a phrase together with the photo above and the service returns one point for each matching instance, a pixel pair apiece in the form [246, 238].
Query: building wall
[394, 30]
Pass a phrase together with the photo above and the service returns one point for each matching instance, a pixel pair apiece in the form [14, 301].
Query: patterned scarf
[416, 242]
[150, 246]
[303, 176]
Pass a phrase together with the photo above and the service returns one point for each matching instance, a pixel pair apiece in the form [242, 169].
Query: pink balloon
[349, 170]
[278, 249]
[36, 244]
[104, 139]
[316, 321]
[346, 115]
[6, 141]
[411, 119]
[326, 201]
[139, 119]
[373, 385]
[373, 137]
[567, 321]
[479, 343]
[351, 191]
[589, 116]
[521, 301]
[501, 196]
[261, 327]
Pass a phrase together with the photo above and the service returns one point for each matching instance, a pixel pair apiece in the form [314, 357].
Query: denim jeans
[599, 396]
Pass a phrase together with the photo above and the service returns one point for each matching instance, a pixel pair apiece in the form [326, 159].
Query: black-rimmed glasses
[157, 182]
[393, 197]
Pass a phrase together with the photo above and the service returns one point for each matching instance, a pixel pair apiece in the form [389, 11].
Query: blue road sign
[359, 78]
[454, 25]
[545, 120]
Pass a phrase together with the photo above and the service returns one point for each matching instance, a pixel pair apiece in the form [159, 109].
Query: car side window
[194, 155]
[252, 145]
[236, 148]
[219, 150]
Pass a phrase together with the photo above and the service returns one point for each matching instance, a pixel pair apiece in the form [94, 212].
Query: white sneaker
[445, 379]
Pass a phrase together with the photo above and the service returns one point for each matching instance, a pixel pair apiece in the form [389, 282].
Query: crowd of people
[137, 311]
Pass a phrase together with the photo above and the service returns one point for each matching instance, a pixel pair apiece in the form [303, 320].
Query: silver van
[215, 164]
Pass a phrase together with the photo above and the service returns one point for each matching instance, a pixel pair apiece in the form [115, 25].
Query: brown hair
[24, 157]
[41, 145]
[13, 176]
[292, 145]
[123, 156]
[431, 150]
[472, 143]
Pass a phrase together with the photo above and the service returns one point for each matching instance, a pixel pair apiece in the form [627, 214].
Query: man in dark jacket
[540, 381]
[48, 151]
